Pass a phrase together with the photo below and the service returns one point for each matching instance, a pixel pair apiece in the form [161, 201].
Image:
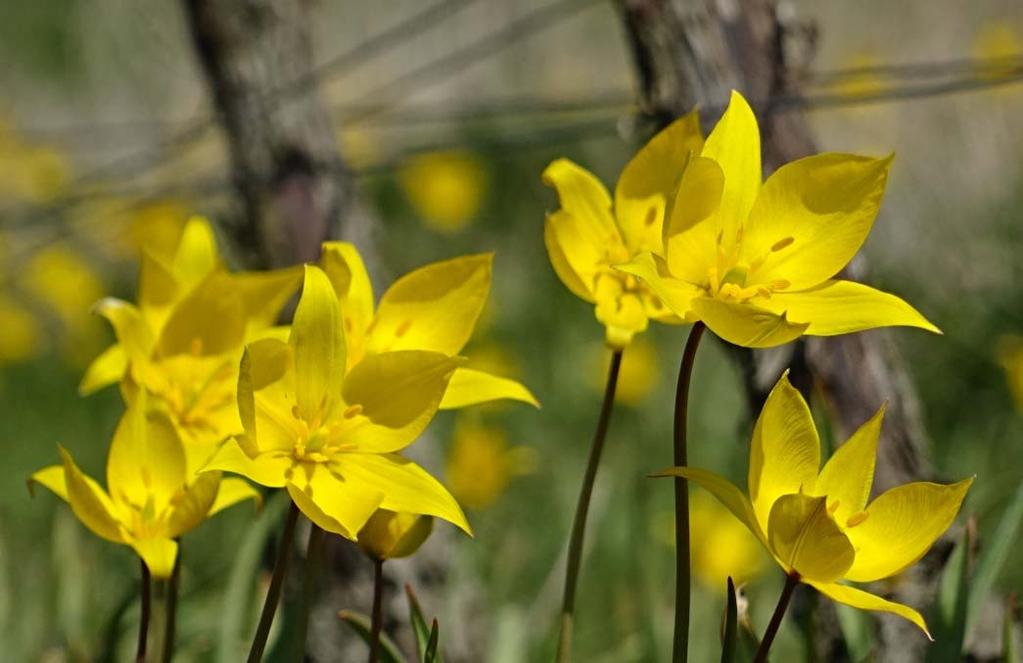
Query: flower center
[733, 278]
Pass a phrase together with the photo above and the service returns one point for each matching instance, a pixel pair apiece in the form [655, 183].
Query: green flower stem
[140, 651]
[170, 624]
[575, 546]
[273, 594]
[313, 563]
[791, 580]
[378, 610]
[683, 583]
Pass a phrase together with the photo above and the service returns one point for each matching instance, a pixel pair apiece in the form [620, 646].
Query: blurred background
[445, 115]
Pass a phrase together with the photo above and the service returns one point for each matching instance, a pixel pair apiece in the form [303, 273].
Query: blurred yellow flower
[446, 189]
[1010, 356]
[638, 375]
[150, 500]
[722, 545]
[863, 83]
[155, 227]
[998, 41]
[390, 535]
[432, 308]
[331, 435]
[20, 331]
[590, 233]
[62, 280]
[34, 173]
[816, 522]
[756, 262]
[480, 464]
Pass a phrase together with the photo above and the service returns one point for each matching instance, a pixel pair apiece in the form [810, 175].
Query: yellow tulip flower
[590, 233]
[446, 189]
[480, 464]
[432, 308]
[756, 263]
[817, 523]
[331, 435]
[390, 535]
[185, 338]
[150, 500]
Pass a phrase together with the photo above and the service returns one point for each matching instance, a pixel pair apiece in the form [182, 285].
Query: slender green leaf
[949, 628]
[997, 548]
[1010, 648]
[857, 630]
[363, 628]
[432, 655]
[728, 636]
[238, 614]
[419, 627]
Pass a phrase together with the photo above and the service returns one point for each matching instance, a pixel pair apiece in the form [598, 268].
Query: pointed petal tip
[667, 472]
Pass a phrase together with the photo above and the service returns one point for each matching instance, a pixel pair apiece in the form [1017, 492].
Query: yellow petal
[675, 294]
[650, 179]
[209, 321]
[89, 502]
[197, 255]
[857, 598]
[346, 270]
[623, 313]
[146, 457]
[746, 324]
[405, 486]
[735, 145]
[190, 508]
[807, 540]
[157, 285]
[319, 347]
[785, 452]
[267, 469]
[264, 294]
[691, 230]
[158, 554]
[471, 387]
[51, 477]
[581, 286]
[726, 492]
[583, 196]
[104, 370]
[849, 473]
[584, 227]
[231, 492]
[133, 334]
[901, 525]
[434, 307]
[264, 363]
[392, 397]
[330, 500]
[812, 216]
[842, 307]
[390, 535]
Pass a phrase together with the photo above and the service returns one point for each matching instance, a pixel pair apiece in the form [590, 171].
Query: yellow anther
[651, 216]
[764, 292]
[403, 328]
[352, 411]
[617, 253]
[782, 243]
[856, 519]
[348, 325]
[833, 507]
[780, 284]
[721, 236]
[295, 413]
[196, 347]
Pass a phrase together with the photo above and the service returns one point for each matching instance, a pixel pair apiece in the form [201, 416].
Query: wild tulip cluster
[221, 398]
